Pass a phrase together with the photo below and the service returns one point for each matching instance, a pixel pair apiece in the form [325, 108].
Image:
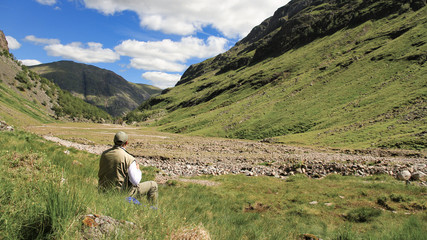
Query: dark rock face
[192, 72]
[3, 42]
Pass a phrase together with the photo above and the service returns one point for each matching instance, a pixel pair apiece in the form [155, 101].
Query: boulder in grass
[96, 226]
[192, 233]
[5, 127]
[404, 175]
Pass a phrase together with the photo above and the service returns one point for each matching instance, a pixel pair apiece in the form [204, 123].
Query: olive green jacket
[113, 169]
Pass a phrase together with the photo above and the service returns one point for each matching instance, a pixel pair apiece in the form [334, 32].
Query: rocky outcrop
[3, 42]
[5, 127]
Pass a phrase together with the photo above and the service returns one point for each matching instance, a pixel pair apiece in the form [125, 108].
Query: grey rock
[418, 176]
[404, 175]
[96, 226]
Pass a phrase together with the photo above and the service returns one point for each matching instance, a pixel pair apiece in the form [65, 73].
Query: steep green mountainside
[324, 73]
[99, 87]
[26, 98]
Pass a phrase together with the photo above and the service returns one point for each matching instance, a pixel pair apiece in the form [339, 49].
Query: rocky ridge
[3, 42]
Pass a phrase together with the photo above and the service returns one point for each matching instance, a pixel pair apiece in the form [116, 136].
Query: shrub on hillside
[22, 77]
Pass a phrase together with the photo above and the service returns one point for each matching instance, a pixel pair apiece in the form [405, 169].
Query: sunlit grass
[44, 194]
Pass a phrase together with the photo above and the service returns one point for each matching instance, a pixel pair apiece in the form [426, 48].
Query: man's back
[113, 169]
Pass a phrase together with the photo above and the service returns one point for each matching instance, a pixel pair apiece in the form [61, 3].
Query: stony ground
[179, 156]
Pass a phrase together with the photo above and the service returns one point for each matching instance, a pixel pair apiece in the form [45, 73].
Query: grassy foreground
[45, 192]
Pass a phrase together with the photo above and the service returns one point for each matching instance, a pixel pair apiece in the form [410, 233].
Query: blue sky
[144, 41]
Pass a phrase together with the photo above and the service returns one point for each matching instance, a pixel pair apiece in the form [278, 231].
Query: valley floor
[181, 155]
[49, 190]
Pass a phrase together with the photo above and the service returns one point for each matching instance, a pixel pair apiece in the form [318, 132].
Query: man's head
[121, 138]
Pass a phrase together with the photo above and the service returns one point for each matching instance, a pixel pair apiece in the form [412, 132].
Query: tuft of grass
[62, 206]
[362, 214]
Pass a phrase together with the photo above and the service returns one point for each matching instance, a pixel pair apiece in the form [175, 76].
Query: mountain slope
[329, 73]
[26, 98]
[100, 87]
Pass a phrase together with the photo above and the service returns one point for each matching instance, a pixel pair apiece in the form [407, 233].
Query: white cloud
[30, 62]
[42, 41]
[92, 53]
[162, 80]
[47, 2]
[156, 64]
[234, 18]
[12, 43]
[167, 55]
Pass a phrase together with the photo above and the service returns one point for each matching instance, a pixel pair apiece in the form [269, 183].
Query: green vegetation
[363, 214]
[68, 105]
[30, 105]
[45, 193]
[14, 108]
[23, 78]
[357, 87]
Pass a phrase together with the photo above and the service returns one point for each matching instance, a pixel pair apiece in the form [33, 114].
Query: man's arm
[135, 174]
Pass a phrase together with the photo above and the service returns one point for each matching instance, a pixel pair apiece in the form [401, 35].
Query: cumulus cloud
[162, 80]
[156, 64]
[30, 62]
[92, 53]
[167, 55]
[233, 18]
[47, 2]
[12, 42]
[41, 41]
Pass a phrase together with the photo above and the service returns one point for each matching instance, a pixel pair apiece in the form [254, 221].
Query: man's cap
[120, 138]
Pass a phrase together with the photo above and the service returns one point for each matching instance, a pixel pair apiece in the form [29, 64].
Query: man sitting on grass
[118, 169]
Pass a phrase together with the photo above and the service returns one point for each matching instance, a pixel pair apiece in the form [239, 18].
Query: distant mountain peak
[100, 87]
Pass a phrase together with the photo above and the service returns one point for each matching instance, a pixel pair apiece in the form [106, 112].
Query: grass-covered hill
[26, 98]
[323, 73]
[99, 87]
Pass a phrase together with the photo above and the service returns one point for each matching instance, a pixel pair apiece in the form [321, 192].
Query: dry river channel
[194, 156]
